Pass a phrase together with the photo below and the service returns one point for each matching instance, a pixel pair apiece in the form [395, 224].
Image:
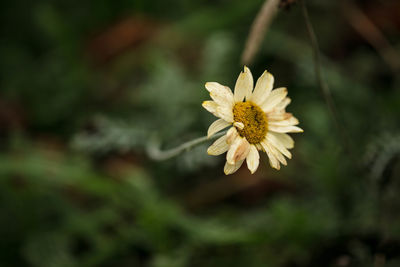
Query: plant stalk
[326, 92]
[154, 151]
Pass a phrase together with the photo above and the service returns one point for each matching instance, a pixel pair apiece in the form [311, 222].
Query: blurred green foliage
[80, 100]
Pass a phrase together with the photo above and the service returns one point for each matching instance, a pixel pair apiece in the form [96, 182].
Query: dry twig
[372, 34]
[258, 30]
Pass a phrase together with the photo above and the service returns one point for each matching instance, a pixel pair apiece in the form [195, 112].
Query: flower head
[258, 122]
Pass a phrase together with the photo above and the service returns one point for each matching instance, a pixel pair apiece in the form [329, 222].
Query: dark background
[85, 84]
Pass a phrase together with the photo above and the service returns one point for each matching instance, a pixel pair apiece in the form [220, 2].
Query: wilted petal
[278, 116]
[283, 104]
[231, 135]
[253, 159]
[277, 154]
[259, 146]
[221, 94]
[263, 88]
[231, 168]
[285, 139]
[211, 107]
[274, 98]
[244, 85]
[238, 150]
[278, 145]
[284, 129]
[217, 126]
[273, 161]
[218, 147]
[225, 113]
[287, 122]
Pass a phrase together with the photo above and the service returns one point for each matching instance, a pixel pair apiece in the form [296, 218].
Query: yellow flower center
[254, 121]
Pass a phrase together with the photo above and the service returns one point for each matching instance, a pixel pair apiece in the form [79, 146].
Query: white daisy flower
[258, 122]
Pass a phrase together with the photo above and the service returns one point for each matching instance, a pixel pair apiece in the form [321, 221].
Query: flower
[258, 121]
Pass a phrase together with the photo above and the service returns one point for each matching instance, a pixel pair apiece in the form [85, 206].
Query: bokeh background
[84, 85]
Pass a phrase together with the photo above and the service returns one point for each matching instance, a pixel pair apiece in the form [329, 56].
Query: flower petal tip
[230, 161]
[246, 69]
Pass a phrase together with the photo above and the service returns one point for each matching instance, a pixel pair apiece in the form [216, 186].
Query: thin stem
[326, 92]
[155, 153]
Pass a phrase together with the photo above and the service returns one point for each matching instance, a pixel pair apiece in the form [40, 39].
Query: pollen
[254, 121]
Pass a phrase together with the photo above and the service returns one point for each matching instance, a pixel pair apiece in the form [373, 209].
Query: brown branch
[258, 30]
[372, 34]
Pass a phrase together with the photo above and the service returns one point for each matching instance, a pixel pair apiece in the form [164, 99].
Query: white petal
[274, 98]
[238, 150]
[283, 104]
[278, 116]
[225, 113]
[221, 94]
[231, 135]
[218, 147]
[277, 154]
[284, 129]
[253, 159]
[288, 122]
[244, 85]
[285, 139]
[273, 161]
[217, 126]
[231, 168]
[278, 145]
[263, 88]
[210, 106]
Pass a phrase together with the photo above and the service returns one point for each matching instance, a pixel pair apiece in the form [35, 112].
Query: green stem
[326, 92]
[155, 153]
